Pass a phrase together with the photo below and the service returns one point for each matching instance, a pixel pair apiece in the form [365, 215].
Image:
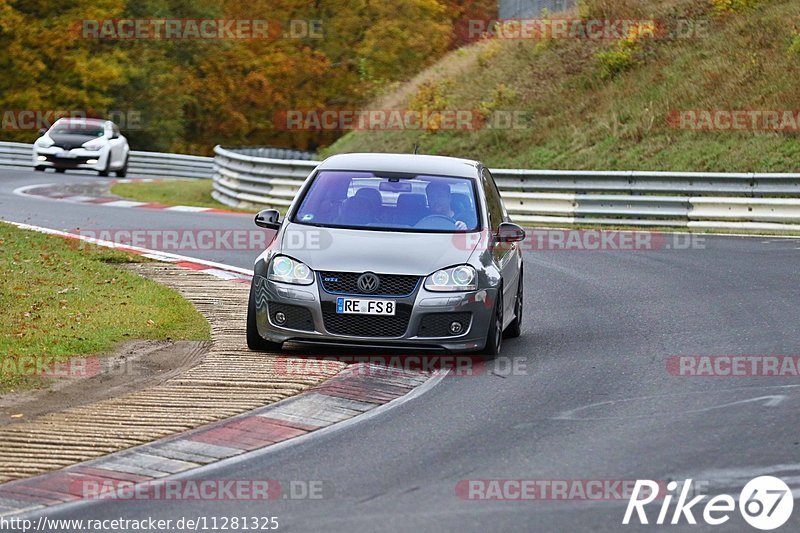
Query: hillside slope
[608, 104]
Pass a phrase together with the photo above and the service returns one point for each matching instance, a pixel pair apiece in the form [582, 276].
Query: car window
[374, 201]
[77, 128]
[494, 201]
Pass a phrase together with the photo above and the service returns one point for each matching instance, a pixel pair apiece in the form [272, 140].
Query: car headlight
[460, 278]
[44, 142]
[287, 270]
[94, 145]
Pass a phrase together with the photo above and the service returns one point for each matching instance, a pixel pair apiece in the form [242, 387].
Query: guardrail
[749, 202]
[141, 164]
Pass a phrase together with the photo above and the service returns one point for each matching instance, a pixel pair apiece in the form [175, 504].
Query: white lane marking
[23, 191]
[124, 203]
[221, 274]
[740, 475]
[187, 208]
[771, 401]
[77, 198]
[153, 254]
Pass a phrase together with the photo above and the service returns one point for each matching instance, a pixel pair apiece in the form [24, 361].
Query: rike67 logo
[765, 503]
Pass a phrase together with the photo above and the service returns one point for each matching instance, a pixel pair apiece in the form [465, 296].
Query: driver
[439, 202]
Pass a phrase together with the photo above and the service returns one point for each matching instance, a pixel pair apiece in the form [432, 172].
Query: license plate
[66, 155]
[356, 306]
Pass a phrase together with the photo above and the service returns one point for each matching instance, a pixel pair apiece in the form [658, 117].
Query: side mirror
[269, 219]
[42, 131]
[508, 232]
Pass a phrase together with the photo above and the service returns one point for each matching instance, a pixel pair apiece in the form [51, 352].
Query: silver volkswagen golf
[390, 251]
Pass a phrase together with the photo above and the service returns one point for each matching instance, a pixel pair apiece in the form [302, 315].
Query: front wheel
[105, 172]
[494, 338]
[254, 340]
[61, 170]
[38, 168]
[121, 173]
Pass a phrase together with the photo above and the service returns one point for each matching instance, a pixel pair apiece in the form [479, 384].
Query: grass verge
[62, 298]
[579, 109]
[195, 193]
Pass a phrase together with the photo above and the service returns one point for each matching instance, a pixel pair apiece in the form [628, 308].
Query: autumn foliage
[191, 94]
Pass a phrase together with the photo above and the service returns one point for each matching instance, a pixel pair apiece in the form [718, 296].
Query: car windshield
[380, 201]
[77, 128]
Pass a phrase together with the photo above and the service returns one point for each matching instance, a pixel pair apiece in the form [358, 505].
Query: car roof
[79, 120]
[412, 163]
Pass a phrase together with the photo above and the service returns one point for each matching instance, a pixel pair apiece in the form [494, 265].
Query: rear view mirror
[269, 219]
[395, 186]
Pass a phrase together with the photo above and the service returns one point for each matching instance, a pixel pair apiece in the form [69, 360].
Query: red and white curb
[356, 390]
[218, 270]
[55, 191]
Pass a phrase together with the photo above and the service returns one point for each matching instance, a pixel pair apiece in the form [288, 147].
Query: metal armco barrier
[243, 180]
[141, 164]
[768, 203]
[746, 202]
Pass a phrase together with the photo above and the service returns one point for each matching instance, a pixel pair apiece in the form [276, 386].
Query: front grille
[296, 317]
[347, 283]
[438, 324]
[69, 160]
[366, 325]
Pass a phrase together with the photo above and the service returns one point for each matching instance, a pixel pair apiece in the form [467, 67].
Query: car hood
[383, 252]
[70, 140]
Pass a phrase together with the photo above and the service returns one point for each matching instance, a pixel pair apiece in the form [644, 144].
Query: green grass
[61, 299]
[196, 193]
[578, 116]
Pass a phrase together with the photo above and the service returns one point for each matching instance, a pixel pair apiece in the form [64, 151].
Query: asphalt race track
[592, 397]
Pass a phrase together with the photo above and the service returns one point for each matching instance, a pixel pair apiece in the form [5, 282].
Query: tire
[105, 172]
[61, 170]
[121, 173]
[38, 169]
[255, 341]
[494, 337]
[514, 329]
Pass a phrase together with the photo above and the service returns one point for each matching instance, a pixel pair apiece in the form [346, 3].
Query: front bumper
[77, 158]
[306, 308]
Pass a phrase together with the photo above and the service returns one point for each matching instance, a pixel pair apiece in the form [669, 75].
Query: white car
[82, 143]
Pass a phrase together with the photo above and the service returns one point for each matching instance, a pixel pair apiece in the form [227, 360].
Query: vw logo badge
[368, 282]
